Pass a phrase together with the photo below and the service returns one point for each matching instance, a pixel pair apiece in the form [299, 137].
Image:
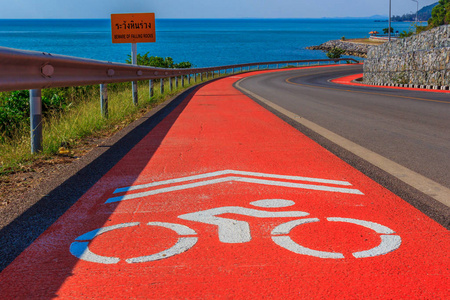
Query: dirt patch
[14, 186]
[365, 41]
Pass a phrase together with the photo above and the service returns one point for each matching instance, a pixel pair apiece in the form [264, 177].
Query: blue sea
[201, 42]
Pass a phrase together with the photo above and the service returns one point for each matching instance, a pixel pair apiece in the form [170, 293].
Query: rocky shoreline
[350, 48]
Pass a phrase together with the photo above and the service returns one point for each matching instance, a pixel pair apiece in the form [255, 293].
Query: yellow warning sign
[133, 28]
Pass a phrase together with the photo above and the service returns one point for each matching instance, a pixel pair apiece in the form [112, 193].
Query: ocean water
[201, 42]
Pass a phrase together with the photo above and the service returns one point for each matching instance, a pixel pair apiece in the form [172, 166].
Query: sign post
[133, 28]
[134, 62]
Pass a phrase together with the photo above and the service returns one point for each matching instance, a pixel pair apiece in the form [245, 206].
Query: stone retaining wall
[421, 60]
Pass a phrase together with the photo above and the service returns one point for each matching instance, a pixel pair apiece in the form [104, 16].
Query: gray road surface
[410, 128]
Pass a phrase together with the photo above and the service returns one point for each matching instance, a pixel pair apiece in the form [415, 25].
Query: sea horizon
[249, 18]
[203, 42]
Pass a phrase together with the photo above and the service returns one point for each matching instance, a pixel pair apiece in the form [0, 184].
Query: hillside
[423, 15]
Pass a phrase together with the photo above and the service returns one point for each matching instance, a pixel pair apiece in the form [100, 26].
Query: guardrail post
[135, 92]
[36, 120]
[189, 78]
[104, 100]
[182, 80]
[150, 88]
[161, 86]
[212, 74]
[201, 76]
[171, 83]
[176, 81]
[134, 83]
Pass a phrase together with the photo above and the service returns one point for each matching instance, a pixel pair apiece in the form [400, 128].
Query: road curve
[409, 128]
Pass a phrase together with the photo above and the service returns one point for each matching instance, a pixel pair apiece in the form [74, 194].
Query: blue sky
[62, 9]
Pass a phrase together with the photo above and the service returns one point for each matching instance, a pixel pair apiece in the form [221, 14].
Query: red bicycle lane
[233, 203]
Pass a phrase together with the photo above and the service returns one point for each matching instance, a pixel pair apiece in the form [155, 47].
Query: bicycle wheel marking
[182, 245]
[81, 251]
[80, 248]
[286, 242]
[371, 225]
[388, 243]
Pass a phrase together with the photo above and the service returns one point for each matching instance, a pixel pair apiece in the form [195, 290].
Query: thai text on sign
[133, 28]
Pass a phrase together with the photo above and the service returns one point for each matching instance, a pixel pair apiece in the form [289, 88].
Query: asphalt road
[411, 128]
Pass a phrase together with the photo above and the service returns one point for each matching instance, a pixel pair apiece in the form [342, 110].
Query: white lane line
[239, 179]
[228, 172]
[427, 186]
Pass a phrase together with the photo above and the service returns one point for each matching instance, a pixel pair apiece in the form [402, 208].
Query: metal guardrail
[21, 69]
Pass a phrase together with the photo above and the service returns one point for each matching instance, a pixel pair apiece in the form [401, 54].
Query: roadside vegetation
[72, 114]
[335, 53]
[440, 15]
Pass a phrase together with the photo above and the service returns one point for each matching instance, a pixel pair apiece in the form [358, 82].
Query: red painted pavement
[218, 128]
[349, 80]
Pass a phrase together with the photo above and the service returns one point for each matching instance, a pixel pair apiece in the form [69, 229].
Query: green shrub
[420, 29]
[406, 34]
[15, 106]
[159, 62]
[335, 53]
[14, 112]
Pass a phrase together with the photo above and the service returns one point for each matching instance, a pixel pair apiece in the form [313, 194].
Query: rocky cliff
[354, 49]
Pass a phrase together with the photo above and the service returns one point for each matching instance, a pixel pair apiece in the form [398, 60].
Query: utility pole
[389, 27]
[417, 11]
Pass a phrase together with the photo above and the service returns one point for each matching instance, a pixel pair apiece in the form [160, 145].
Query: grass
[84, 120]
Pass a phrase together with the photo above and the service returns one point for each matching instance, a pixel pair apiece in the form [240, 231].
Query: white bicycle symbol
[235, 231]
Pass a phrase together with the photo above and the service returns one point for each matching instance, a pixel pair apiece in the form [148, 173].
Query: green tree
[335, 53]
[440, 14]
[386, 30]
